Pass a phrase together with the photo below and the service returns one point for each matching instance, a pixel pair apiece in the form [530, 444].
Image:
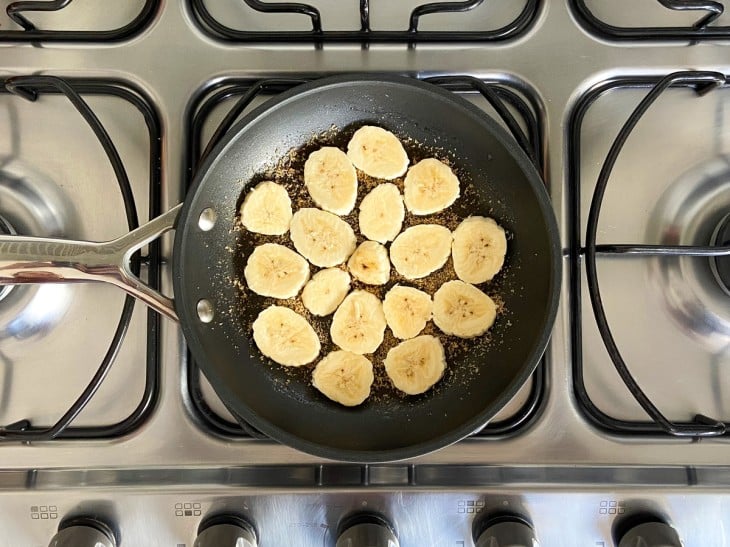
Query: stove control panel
[244, 517]
[83, 532]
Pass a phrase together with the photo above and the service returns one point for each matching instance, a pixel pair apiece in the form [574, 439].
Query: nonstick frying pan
[208, 305]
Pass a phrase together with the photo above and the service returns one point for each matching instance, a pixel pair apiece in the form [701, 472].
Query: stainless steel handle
[44, 260]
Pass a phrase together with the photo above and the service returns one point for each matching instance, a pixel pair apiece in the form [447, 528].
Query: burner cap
[721, 264]
[5, 229]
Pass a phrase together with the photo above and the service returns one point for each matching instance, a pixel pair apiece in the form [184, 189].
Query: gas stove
[111, 435]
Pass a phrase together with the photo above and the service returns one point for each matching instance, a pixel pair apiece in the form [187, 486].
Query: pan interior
[293, 412]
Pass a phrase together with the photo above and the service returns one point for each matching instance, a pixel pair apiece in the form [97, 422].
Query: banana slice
[407, 310]
[267, 209]
[321, 237]
[369, 263]
[359, 324]
[331, 180]
[478, 249]
[463, 310]
[382, 213]
[325, 291]
[285, 336]
[275, 270]
[415, 365]
[344, 377]
[377, 152]
[420, 250]
[430, 187]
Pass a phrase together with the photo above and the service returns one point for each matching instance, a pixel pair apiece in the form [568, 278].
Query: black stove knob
[506, 531]
[647, 532]
[366, 530]
[83, 532]
[226, 531]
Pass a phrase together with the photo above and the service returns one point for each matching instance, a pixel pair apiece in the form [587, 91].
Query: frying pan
[208, 305]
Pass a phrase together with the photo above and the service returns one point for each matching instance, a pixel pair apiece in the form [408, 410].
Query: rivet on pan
[205, 310]
[207, 219]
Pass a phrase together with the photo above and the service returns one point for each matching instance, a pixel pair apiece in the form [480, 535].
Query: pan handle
[45, 260]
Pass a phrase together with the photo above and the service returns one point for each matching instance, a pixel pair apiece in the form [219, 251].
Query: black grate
[365, 35]
[505, 97]
[708, 11]
[701, 82]
[20, 13]
[31, 88]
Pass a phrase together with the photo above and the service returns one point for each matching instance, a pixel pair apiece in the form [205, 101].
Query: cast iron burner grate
[505, 97]
[30, 33]
[701, 82]
[31, 88]
[703, 29]
[365, 35]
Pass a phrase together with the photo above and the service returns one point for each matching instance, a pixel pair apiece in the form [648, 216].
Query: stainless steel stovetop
[154, 453]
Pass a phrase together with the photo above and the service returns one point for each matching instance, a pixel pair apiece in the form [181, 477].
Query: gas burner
[693, 211]
[32, 204]
[720, 265]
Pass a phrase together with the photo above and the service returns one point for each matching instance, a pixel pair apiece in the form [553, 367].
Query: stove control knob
[366, 530]
[226, 531]
[83, 532]
[650, 533]
[506, 531]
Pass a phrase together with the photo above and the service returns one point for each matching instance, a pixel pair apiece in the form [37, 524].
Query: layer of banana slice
[430, 186]
[344, 377]
[478, 249]
[463, 310]
[415, 365]
[321, 237]
[377, 152]
[369, 263]
[325, 291]
[276, 271]
[285, 336]
[420, 250]
[331, 180]
[359, 323]
[266, 209]
[382, 213]
[407, 310]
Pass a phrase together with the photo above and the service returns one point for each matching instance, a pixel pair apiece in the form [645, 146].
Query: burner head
[5, 229]
[688, 213]
[720, 265]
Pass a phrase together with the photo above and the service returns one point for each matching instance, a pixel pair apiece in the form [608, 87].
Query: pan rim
[241, 410]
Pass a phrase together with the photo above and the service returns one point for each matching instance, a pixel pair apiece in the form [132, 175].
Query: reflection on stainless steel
[688, 214]
[32, 203]
[46, 260]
